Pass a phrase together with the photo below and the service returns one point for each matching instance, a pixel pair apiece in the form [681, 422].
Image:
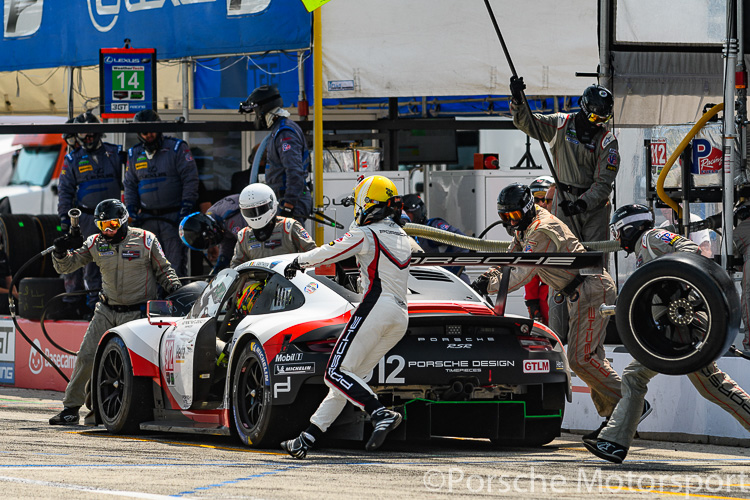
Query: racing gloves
[480, 284]
[186, 208]
[516, 89]
[291, 270]
[573, 207]
[535, 309]
[285, 211]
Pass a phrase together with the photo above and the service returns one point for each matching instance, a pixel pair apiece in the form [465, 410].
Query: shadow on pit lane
[433, 446]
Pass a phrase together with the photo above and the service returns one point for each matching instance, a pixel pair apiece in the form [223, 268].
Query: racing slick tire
[257, 422]
[49, 229]
[678, 313]
[123, 400]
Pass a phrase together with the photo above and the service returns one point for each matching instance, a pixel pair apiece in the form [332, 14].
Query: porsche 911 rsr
[200, 364]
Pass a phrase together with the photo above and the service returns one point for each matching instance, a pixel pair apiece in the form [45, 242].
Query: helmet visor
[257, 211]
[594, 118]
[112, 224]
[513, 216]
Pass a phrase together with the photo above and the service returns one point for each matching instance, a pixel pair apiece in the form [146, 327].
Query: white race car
[200, 364]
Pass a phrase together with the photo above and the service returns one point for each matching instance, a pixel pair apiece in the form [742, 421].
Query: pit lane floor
[41, 461]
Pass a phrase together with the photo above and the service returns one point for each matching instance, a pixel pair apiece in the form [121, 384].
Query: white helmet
[258, 205]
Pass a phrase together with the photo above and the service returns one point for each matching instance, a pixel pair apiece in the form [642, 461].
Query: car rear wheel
[123, 400]
[678, 313]
[256, 420]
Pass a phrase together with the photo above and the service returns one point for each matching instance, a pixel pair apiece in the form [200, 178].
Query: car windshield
[35, 166]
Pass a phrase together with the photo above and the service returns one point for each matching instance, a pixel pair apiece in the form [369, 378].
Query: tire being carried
[678, 313]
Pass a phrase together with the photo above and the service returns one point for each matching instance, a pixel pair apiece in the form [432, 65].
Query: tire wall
[24, 236]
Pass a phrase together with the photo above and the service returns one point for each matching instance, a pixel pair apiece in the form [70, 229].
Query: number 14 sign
[127, 81]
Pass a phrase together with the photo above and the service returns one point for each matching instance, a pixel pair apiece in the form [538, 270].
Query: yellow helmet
[375, 198]
[248, 296]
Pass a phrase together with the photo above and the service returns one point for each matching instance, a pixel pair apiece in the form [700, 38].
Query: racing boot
[298, 446]
[607, 450]
[384, 421]
[69, 416]
[595, 433]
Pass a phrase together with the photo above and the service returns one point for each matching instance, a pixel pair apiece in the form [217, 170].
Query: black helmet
[200, 231]
[629, 223]
[145, 116]
[90, 141]
[262, 100]
[597, 103]
[414, 205]
[515, 204]
[111, 214]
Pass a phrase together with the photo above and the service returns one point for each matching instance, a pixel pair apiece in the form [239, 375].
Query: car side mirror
[156, 310]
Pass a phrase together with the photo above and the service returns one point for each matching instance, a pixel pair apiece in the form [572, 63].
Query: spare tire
[678, 313]
[35, 293]
[49, 229]
[22, 241]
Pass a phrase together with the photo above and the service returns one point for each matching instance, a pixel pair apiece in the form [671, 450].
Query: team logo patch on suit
[141, 164]
[529, 246]
[131, 254]
[109, 252]
[304, 234]
[273, 244]
[256, 245]
[667, 237]
[85, 167]
[189, 156]
[286, 146]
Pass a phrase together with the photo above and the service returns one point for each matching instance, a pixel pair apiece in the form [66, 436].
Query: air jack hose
[462, 241]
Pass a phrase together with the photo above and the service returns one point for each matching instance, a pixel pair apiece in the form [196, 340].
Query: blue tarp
[221, 83]
[70, 33]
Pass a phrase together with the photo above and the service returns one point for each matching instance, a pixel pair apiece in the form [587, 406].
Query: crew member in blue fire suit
[161, 187]
[287, 155]
[90, 174]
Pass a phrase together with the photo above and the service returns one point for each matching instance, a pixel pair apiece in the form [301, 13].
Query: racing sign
[127, 81]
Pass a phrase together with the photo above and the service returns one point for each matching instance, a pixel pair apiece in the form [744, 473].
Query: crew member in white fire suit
[585, 155]
[266, 233]
[633, 227]
[536, 230]
[383, 252]
[132, 264]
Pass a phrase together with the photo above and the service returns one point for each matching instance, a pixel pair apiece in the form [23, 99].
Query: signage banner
[47, 34]
[127, 81]
[34, 372]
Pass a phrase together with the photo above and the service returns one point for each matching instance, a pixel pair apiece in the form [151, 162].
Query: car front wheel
[123, 400]
[252, 407]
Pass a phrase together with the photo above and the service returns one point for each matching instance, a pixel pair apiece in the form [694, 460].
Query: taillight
[321, 345]
[535, 343]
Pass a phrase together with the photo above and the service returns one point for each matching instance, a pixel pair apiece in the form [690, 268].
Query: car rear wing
[587, 262]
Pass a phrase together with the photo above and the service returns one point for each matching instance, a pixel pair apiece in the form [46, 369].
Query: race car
[209, 362]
